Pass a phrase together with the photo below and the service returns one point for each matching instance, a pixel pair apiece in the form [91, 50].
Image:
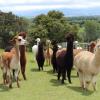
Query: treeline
[10, 25]
[53, 25]
[82, 19]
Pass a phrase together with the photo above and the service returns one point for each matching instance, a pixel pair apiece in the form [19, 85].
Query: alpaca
[65, 60]
[11, 61]
[87, 65]
[35, 48]
[92, 46]
[53, 59]
[40, 56]
[22, 54]
[22, 49]
[48, 53]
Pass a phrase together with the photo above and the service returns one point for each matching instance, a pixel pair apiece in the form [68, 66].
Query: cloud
[25, 5]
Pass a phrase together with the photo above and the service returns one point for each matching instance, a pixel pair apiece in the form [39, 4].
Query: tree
[91, 29]
[10, 24]
[54, 24]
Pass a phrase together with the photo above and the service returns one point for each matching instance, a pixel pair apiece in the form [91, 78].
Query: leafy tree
[54, 26]
[10, 24]
[91, 28]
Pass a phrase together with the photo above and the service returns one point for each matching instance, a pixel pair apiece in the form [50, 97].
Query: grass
[43, 85]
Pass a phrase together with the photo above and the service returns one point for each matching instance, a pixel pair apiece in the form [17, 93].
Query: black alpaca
[53, 59]
[40, 56]
[65, 60]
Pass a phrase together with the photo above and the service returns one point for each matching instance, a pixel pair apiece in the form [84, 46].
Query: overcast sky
[28, 5]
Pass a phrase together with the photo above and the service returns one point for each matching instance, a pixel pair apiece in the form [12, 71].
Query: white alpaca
[87, 65]
[35, 49]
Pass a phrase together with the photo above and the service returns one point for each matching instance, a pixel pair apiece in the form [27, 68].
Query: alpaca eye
[19, 39]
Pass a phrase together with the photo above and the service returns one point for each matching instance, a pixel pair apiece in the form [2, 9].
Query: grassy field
[43, 85]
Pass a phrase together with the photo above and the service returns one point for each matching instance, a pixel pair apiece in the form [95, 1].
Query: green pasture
[43, 85]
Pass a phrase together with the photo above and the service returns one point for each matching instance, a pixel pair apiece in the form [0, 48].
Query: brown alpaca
[11, 61]
[65, 60]
[48, 53]
[23, 55]
[92, 46]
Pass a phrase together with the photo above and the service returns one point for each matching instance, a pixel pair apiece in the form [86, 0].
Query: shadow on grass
[74, 76]
[50, 72]
[56, 82]
[3, 88]
[79, 89]
[35, 70]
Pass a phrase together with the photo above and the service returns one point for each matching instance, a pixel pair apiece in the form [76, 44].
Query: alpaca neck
[37, 43]
[70, 48]
[97, 58]
[17, 53]
[22, 50]
[40, 50]
[48, 50]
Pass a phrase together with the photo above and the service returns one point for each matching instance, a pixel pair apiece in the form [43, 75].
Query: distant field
[43, 85]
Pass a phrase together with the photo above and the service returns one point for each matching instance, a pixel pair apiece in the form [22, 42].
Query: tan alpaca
[87, 65]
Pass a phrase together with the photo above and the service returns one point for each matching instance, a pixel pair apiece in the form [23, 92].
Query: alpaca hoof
[18, 85]
[10, 86]
[70, 82]
[24, 77]
[62, 82]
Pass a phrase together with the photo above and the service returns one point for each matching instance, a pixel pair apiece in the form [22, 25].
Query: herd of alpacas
[63, 60]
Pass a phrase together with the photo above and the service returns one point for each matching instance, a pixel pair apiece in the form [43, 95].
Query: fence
[83, 45]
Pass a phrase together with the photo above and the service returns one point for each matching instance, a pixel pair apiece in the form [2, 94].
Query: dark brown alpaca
[40, 56]
[53, 59]
[65, 60]
[23, 55]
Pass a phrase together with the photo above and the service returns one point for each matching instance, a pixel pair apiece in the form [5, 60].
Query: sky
[35, 7]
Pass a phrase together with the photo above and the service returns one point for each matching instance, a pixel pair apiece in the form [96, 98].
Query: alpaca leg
[59, 74]
[49, 61]
[53, 69]
[9, 78]
[4, 75]
[42, 67]
[23, 72]
[81, 79]
[46, 61]
[4, 78]
[94, 83]
[87, 84]
[94, 86]
[39, 68]
[13, 74]
[10, 81]
[69, 75]
[16, 75]
[63, 76]
[24, 76]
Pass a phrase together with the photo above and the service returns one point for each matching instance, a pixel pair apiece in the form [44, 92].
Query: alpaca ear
[98, 40]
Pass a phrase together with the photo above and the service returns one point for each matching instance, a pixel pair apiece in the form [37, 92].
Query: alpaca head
[48, 42]
[23, 34]
[54, 42]
[97, 47]
[69, 37]
[18, 40]
[37, 40]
